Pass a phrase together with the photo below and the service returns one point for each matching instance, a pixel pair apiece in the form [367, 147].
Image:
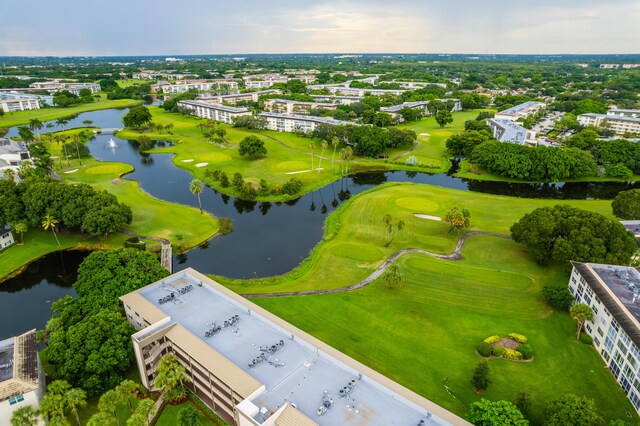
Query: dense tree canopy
[495, 413]
[563, 233]
[462, 145]
[572, 410]
[137, 116]
[626, 205]
[252, 147]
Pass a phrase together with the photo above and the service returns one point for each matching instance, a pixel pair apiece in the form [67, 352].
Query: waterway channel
[268, 238]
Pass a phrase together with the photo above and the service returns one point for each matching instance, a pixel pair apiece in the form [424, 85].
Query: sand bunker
[202, 164]
[424, 134]
[117, 181]
[428, 217]
[70, 171]
[187, 161]
[303, 171]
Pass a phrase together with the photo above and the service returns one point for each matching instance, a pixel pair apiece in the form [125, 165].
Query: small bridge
[107, 131]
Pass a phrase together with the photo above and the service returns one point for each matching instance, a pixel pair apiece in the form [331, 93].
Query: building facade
[298, 123]
[213, 111]
[12, 155]
[613, 293]
[511, 132]
[422, 106]
[295, 107]
[12, 104]
[620, 121]
[255, 369]
[524, 110]
[6, 237]
[181, 86]
[56, 86]
[233, 99]
[21, 376]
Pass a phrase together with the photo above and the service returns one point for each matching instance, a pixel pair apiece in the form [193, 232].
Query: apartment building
[213, 111]
[414, 85]
[181, 86]
[157, 75]
[421, 105]
[6, 238]
[340, 100]
[300, 123]
[344, 89]
[55, 86]
[9, 103]
[295, 107]
[523, 110]
[234, 98]
[21, 377]
[609, 66]
[613, 292]
[511, 132]
[620, 121]
[255, 369]
[12, 154]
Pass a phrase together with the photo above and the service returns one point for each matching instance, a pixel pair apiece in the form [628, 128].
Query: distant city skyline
[160, 27]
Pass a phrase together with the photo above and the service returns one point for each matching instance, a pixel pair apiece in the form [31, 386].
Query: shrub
[248, 192]
[226, 225]
[511, 354]
[484, 349]
[237, 181]
[586, 339]
[558, 296]
[264, 189]
[224, 180]
[411, 161]
[517, 337]
[526, 350]
[498, 351]
[493, 339]
[480, 379]
[292, 186]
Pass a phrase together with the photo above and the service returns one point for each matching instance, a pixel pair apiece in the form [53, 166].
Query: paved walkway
[454, 255]
[166, 256]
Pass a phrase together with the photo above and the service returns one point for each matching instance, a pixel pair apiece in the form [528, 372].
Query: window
[597, 341]
[588, 327]
[628, 372]
[16, 399]
[622, 348]
[600, 332]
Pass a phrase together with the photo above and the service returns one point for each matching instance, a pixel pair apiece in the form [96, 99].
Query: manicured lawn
[355, 234]
[53, 113]
[130, 82]
[427, 330]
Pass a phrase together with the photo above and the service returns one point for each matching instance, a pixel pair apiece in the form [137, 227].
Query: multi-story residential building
[24, 95]
[302, 123]
[181, 86]
[619, 112]
[257, 84]
[413, 85]
[628, 66]
[344, 89]
[9, 103]
[255, 369]
[294, 107]
[12, 155]
[261, 81]
[523, 110]
[21, 376]
[511, 132]
[609, 66]
[341, 100]
[233, 99]
[421, 105]
[214, 111]
[55, 86]
[157, 75]
[613, 292]
[6, 238]
[620, 123]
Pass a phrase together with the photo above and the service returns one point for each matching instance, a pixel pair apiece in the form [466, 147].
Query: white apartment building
[156, 75]
[181, 86]
[421, 105]
[629, 66]
[610, 66]
[413, 85]
[511, 132]
[341, 100]
[12, 155]
[258, 84]
[523, 110]
[213, 111]
[293, 122]
[344, 89]
[255, 369]
[613, 292]
[294, 107]
[6, 239]
[234, 98]
[620, 121]
[11, 104]
[55, 86]
[21, 376]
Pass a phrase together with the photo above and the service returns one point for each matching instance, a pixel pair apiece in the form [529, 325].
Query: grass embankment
[427, 330]
[53, 113]
[288, 154]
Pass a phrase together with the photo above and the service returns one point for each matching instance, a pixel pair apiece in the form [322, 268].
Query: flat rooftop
[523, 107]
[6, 359]
[511, 132]
[211, 105]
[292, 369]
[624, 283]
[313, 118]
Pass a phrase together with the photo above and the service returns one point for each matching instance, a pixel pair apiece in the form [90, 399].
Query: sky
[162, 27]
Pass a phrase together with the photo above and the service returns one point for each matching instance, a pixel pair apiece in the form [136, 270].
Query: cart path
[454, 255]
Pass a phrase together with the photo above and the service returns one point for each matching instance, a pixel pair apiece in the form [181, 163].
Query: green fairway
[53, 113]
[355, 234]
[427, 330]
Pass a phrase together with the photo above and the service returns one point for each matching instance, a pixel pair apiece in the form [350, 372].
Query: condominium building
[413, 85]
[295, 107]
[156, 75]
[213, 111]
[421, 105]
[261, 81]
[55, 86]
[629, 66]
[6, 239]
[609, 66]
[341, 100]
[300, 123]
[619, 112]
[620, 123]
[181, 86]
[21, 376]
[613, 292]
[511, 132]
[344, 89]
[234, 98]
[254, 368]
[9, 103]
[523, 110]
[12, 154]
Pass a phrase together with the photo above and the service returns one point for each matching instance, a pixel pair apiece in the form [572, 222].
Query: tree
[127, 389]
[108, 403]
[25, 416]
[495, 413]
[393, 277]
[563, 233]
[101, 419]
[523, 402]
[389, 223]
[345, 155]
[626, 205]
[581, 312]
[146, 408]
[252, 147]
[443, 117]
[312, 146]
[9, 174]
[189, 416]
[171, 377]
[26, 134]
[21, 228]
[558, 295]
[410, 114]
[137, 117]
[75, 398]
[35, 124]
[49, 222]
[62, 123]
[324, 146]
[334, 142]
[458, 218]
[197, 187]
[54, 402]
[570, 409]
[480, 379]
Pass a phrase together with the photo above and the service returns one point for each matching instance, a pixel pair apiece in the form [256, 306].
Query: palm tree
[10, 174]
[108, 403]
[393, 278]
[581, 313]
[399, 228]
[127, 389]
[51, 222]
[146, 409]
[324, 146]
[25, 416]
[312, 146]
[20, 227]
[100, 419]
[334, 142]
[62, 122]
[76, 142]
[25, 169]
[26, 134]
[196, 187]
[171, 377]
[35, 124]
[75, 398]
[345, 156]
